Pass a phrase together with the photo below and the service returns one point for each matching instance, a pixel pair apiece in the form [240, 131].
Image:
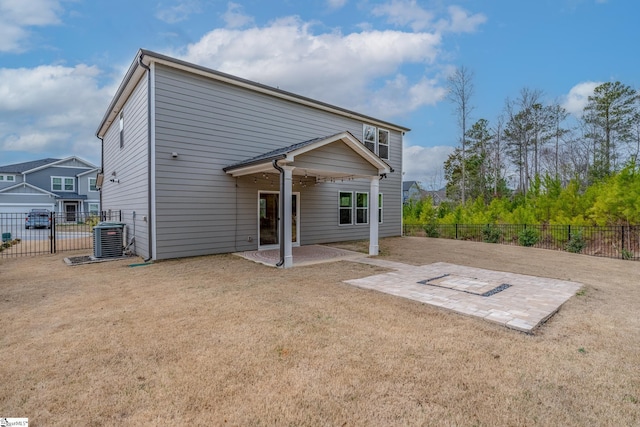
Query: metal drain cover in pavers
[523, 305]
[470, 285]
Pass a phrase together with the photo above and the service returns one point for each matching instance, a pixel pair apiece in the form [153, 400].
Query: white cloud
[578, 96]
[336, 4]
[425, 165]
[410, 13]
[405, 13]
[16, 16]
[235, 18]
[462, 22]
[179, 12]
[51, 109]
[358, 70]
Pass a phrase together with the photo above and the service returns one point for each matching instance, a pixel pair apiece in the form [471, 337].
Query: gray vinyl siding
[5, 184]
[130, 165]
[210, 124]
[27, 198]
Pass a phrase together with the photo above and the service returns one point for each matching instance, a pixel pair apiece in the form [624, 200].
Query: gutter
[149, 165]
[274, 162]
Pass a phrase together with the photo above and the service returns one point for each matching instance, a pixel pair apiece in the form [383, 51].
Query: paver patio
[516, 301]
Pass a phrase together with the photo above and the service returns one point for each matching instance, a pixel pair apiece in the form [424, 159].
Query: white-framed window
[8, 178]
[63, 183]
[369, 137]
[376, 140]
[94, 208]
[362, 208]
[380, 208]
[92, 184]
[383, 144]
[345, 208]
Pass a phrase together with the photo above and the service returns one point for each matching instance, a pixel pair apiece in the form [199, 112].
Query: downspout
[149, 165]
[280, 263]
[101, 170]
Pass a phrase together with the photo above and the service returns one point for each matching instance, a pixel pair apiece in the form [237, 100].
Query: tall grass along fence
[605, 241]
[37, 233]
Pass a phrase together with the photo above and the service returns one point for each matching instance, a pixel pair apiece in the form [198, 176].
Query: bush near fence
[605, 241]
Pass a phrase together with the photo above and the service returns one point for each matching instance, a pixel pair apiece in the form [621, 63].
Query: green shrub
[528, 237]
[576, 244]
[431, 230]
[92, 221]
[491, 234]
[627, 254]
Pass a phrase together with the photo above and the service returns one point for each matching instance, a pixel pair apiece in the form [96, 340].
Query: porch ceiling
[287, 157]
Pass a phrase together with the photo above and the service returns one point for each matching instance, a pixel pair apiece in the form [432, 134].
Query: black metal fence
[605, 241]
[43, 232]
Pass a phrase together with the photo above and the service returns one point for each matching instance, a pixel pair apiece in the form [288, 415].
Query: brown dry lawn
[220, 340]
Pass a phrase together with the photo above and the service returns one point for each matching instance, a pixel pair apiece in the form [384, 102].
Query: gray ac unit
[108, 238]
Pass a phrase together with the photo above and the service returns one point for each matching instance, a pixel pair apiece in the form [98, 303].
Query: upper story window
[376, 140]
[92, 184]
[7, 178]
[63, 183]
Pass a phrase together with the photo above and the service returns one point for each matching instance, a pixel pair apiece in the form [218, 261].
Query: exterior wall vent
[108, 238]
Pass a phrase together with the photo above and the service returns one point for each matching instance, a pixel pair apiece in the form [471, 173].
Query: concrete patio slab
[302, 255]
[516, 301]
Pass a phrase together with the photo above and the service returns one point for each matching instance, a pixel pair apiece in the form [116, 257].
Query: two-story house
[202, 162]
[59, 185]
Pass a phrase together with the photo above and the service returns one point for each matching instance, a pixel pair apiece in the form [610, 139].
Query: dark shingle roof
[279, 153]
[21, 167]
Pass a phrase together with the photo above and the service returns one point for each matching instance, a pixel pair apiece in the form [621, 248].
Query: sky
[61, 61]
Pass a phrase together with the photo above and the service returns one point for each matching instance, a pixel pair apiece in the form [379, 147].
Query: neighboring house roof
[26, 166]
[94, 170]
[406, 185]
[262, 161]
[70, 196]
[145, 57]
[35, 165]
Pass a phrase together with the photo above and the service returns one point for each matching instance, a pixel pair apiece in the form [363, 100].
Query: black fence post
[622, 246]
[456, 231]
[569, 233]
[52, 233]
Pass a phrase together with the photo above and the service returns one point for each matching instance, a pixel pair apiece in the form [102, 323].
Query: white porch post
[286, 221]
[373, 215]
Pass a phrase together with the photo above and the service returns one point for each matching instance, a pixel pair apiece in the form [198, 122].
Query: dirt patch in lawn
[219, 339]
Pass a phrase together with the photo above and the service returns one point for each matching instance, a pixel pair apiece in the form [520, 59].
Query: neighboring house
[196, 160]
[58, 185]
[410, 191]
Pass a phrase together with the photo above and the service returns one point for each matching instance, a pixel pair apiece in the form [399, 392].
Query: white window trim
[366, 208]
[63, 184]
[97, 210]
[376, 140]
[94, 184]
[340, 208]
[8, 178]
[388, 144]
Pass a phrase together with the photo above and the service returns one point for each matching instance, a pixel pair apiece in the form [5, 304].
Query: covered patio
[337, 157]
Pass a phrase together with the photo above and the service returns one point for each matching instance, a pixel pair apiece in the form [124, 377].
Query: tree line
[534, 140]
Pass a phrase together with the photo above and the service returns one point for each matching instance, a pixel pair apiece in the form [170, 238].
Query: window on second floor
[92, 184]
[63, 183]
[7, 178]
[376, 140]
